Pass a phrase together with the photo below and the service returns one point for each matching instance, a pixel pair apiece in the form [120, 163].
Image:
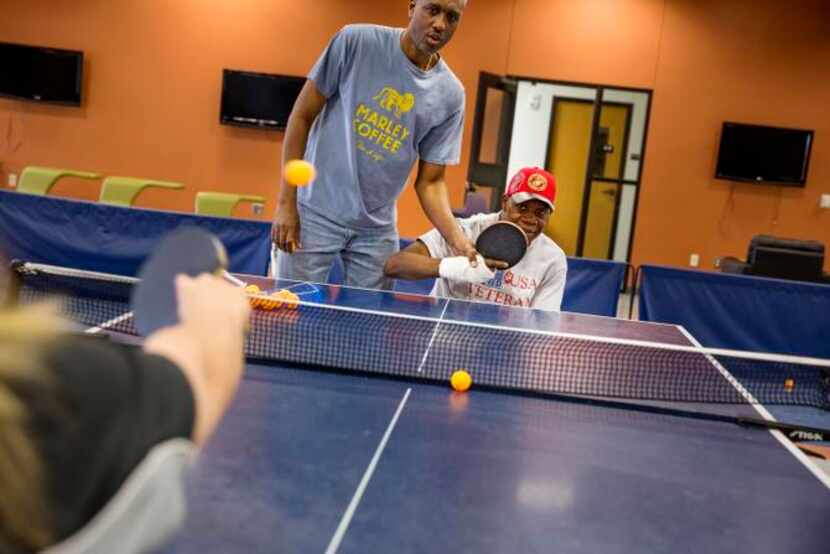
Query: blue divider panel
[113, 239]
[739, 311]
[592, 286]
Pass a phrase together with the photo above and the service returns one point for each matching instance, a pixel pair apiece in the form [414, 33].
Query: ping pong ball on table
[299, 173]
[290, 300]
[253, 291]
[461, 380]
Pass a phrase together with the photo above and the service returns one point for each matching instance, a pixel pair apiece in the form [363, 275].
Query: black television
[762, 154]
[258, 99]
[41, 74]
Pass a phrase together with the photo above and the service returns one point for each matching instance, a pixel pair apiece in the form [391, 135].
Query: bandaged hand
[459, 269]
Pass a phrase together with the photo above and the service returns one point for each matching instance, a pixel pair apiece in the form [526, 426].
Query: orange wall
[154, 75]
[743, 60]
[153, 80]
[590, 41]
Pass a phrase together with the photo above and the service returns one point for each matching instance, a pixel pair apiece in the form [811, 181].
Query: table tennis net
[354, 340]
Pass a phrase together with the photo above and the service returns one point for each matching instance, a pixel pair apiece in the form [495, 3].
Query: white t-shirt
[537, 281]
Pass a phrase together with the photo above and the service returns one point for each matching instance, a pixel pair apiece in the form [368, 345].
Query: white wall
[531, 121]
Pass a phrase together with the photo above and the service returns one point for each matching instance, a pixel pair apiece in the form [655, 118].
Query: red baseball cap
[532, 183]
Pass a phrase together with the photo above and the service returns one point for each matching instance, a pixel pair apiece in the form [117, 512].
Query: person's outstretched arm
[413, 262]
[416, 262]
[207, 345]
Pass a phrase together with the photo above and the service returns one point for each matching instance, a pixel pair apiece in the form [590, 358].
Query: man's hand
[285, 231]
[459, 268]
[432, 193]
[464, 247]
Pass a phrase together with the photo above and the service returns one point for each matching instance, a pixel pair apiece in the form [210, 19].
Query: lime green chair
[39, 180]
[122, 191]
[221, 204]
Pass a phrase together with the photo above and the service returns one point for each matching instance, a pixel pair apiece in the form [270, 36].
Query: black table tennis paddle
[503, 241]
[187, 250]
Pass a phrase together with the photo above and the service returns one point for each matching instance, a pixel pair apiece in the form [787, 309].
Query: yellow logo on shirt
[379, 133]
[393, 101]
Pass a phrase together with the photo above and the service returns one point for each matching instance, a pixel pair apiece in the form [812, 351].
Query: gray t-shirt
[537, 281]
[382, 114]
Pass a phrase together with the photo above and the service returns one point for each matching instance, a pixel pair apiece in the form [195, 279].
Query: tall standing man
[377, 100]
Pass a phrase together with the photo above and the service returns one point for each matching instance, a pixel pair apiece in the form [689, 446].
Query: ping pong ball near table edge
[461, 380]
[299, 173]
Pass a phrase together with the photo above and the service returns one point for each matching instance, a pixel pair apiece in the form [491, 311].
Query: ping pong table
[311, 460]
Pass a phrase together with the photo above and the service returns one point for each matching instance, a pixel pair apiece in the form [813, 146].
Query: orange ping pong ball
[299, 173]
[461, 380]
[290, 300]
[252, 291]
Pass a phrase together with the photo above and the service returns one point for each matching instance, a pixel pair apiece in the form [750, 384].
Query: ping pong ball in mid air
[299, 173]
[461, 380]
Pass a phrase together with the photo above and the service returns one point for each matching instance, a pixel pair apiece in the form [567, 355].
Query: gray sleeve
[552, 288]
[442, 144]
[334, 62]
[435, 243]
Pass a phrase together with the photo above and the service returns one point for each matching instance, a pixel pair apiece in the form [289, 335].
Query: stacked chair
[123, 191]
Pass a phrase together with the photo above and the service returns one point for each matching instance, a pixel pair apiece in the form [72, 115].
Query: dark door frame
[600, 88]
[590, 178]
[484, 174]
[494, 175]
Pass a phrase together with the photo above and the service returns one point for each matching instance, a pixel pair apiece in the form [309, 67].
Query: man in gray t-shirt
[377, 100]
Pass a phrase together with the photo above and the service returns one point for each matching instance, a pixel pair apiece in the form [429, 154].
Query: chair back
[40, 180]
[799, 260]
[122, 191]
[222, 204]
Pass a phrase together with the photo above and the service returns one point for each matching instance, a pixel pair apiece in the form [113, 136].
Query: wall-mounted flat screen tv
[41, 74]
[258, 99]
[761, 154]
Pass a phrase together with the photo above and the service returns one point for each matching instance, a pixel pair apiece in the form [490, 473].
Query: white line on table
[334, 544]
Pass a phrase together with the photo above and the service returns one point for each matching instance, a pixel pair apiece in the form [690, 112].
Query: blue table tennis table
[332, 461]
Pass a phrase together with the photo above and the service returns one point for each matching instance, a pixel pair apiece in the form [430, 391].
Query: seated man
[537, 281]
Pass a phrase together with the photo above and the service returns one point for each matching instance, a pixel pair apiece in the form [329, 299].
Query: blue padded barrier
[739, 311]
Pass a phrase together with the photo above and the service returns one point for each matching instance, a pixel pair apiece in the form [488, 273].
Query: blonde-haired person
[78, 414]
